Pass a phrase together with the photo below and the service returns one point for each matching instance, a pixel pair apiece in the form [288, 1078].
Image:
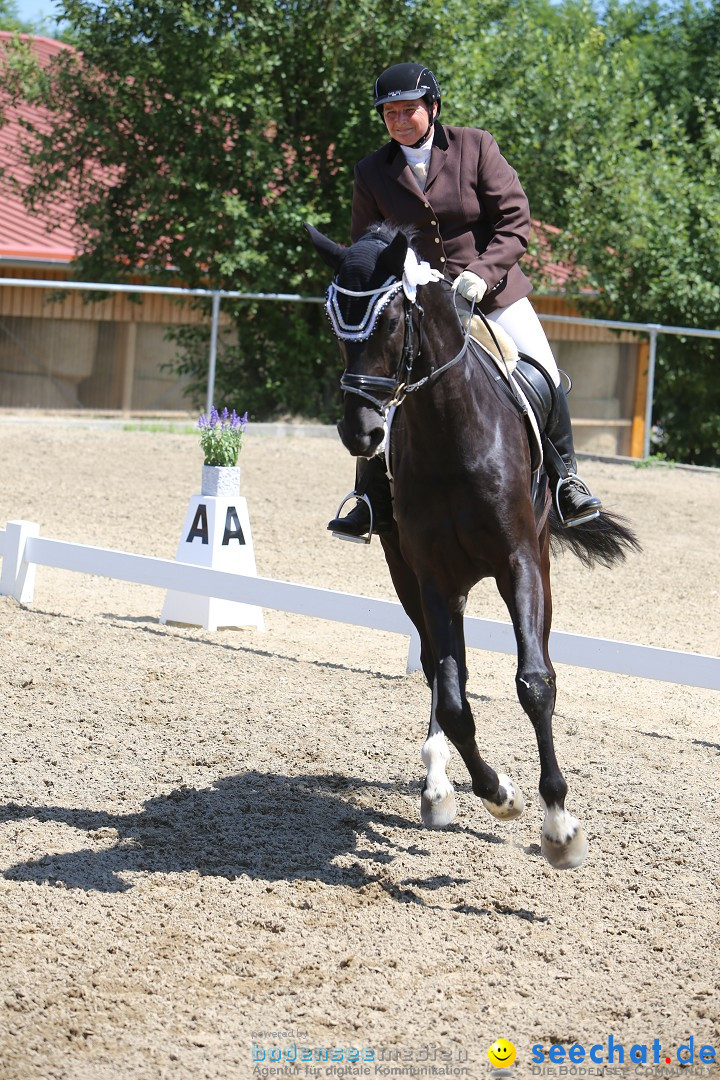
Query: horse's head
[371, 316]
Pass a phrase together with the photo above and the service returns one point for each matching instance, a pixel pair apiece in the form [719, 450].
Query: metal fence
[123, 364]
[652, 330]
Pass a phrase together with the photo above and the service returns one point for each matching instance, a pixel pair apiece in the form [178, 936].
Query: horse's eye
[393, 323]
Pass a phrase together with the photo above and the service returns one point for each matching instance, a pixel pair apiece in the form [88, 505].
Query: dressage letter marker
[216, 534]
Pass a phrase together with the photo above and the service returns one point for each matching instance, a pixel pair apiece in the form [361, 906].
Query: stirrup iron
[556, 501]
[347, 536]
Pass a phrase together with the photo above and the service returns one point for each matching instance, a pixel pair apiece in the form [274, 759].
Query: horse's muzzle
[358, 440]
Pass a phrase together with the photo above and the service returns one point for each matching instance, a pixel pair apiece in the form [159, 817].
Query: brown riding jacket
[473, 214]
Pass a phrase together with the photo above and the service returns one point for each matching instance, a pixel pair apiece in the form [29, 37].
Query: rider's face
[407, 121]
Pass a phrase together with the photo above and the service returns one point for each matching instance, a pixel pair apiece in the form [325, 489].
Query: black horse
[461, 465]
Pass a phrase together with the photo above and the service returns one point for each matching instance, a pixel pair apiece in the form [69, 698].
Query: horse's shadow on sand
[263, 825]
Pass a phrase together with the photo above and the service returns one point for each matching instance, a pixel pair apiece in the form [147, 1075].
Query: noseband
[383, 392]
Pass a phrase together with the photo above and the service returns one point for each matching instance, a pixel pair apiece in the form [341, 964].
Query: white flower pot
[223, 480]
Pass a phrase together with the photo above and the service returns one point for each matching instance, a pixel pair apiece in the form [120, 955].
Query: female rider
[472, 222]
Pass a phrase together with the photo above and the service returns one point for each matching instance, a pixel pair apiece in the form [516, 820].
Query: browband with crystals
[414, 273]
[379, 299]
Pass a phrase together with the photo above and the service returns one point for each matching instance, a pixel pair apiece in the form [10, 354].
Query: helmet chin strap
[418, 144]
[432, 117]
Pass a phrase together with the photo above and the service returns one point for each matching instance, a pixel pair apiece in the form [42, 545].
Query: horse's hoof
[437, 813]
[563, 841]
[512, 804]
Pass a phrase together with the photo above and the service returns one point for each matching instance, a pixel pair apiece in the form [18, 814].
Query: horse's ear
[330, 251]
[392, 259]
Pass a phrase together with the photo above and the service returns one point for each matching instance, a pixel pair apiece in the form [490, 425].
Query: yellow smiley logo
[501, 1053]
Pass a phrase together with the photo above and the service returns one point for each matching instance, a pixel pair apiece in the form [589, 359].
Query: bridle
[384, 392]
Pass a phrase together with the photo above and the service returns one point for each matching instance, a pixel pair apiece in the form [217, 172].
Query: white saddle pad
[506, 356]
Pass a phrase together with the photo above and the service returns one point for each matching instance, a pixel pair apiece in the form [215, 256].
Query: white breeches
[524, 327]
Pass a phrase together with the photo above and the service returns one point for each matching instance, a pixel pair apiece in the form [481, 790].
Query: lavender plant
[221, 436]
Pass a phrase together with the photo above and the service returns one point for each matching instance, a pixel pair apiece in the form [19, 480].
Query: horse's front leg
[526, 590]
[437, 800]
[451, 712]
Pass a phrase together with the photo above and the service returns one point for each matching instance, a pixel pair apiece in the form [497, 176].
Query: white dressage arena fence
[23, 549]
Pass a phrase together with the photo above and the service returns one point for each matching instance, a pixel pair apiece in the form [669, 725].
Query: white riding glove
[469, 285]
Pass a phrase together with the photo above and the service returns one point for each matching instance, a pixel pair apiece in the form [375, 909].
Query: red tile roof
[25, 236]
[548, 276]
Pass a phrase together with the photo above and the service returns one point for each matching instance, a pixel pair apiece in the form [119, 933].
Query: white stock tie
[420, 170]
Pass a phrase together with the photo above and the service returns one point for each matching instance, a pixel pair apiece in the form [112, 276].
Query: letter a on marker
[233, 528]
[199, 526]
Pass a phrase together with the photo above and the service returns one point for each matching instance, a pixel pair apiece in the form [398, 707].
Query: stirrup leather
[347, 536]
[556, 500]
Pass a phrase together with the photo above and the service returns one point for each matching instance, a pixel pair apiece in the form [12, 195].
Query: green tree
[197, 137]
[200, 137]
[9, 18]
[618, 159]
[679, 49]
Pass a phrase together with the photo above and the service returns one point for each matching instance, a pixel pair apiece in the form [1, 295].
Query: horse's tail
[606, 539]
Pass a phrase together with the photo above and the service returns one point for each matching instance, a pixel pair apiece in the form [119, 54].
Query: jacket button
[437, 239]
[433, 222]
[443, 259]
[427, 205]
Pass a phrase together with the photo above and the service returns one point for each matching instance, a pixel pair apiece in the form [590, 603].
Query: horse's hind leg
[527, 594]
[500, 795]
[451, 712]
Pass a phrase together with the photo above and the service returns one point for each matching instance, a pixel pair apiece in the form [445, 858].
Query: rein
[405, 389]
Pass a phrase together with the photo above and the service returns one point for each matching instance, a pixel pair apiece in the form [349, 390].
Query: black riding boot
[573, 499]
[371, 481]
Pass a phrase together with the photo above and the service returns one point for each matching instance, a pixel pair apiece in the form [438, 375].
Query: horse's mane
[386, 231]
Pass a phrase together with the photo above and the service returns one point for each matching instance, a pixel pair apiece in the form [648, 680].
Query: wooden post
[17, 577]
[129, 367]
[637, 435]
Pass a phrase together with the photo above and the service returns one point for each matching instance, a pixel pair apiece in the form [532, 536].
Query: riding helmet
[404, 82]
